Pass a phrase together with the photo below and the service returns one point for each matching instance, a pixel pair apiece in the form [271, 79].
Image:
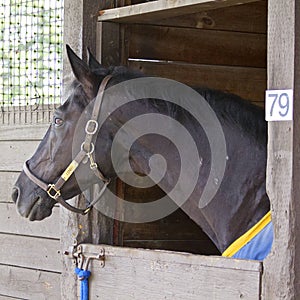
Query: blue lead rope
[83, 276]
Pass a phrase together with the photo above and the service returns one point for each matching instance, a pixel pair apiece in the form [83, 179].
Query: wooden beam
[251, 17]
[249, 83]
[197, 46]
[80, 20]
[296, 155]
[73, 35]
[282, 266]
[163, 9]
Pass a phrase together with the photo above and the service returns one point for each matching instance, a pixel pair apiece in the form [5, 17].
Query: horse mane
[239, 112]
[230, 108]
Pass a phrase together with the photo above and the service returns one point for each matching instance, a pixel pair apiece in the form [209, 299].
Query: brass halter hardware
[87, 150]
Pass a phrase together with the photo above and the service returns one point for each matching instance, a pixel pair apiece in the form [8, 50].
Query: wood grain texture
[282, 264]
[248, 83]
[146, 274]
[73, 35]
[5, 297]
[7, 180]
[14, 153]
[108, 45]
[250, 17]
[11, 222]
[174, 232]
[79, 18]
[156, 10]
[29, 284]
[296, 154]
[30, 252]
[197, 46]
[23, 132]
[203, 247]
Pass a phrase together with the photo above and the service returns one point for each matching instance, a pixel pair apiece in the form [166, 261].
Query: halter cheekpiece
[87, 151]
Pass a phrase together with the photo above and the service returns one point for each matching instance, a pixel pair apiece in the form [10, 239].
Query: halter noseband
[87, 150]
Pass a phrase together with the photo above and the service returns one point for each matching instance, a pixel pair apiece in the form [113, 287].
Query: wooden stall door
[151, 274]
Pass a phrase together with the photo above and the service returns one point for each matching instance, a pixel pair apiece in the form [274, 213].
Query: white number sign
[279, 105]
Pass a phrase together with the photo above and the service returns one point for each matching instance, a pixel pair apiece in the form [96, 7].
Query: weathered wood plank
[14, 153]
[250, 17]
[29, 284]
[174, 232]
[197, 46]
[79, 18]
[7, 180]
[23, 133]
[73, 35]
[11, 222]
[4, 297]
[146, 274]
[163, 9]
[30, 252]
[176, 226]
[248, 83]
[296, 156]
[108, 44]
[203, 247]
[282, 266]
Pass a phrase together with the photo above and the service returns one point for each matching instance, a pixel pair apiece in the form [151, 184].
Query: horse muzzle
[31, 206]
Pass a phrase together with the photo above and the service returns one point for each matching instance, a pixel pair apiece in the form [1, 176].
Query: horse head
[54, 153]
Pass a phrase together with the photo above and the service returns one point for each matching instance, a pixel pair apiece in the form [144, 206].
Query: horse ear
[83, 74]
[94, 65]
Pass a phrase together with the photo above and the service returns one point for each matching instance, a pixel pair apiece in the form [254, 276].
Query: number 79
[283, 101]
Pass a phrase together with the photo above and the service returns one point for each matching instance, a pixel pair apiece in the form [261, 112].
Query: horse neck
[241, 199]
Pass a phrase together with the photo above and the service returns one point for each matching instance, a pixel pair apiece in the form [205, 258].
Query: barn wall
[222, 49]
[30, 259]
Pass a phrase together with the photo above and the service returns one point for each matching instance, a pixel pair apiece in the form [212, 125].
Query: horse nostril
[15, 194]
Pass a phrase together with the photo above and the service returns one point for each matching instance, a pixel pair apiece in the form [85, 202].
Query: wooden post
[80, 22]
[281, 269]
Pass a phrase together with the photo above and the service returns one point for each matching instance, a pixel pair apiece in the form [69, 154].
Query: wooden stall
[219, 44]
[225, 46]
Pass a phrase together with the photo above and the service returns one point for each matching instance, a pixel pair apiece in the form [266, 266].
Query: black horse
[240, 201]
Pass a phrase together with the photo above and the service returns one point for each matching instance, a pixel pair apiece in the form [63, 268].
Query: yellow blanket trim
[248, 236]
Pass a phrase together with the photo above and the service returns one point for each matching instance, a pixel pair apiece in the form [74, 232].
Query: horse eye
[58, 122]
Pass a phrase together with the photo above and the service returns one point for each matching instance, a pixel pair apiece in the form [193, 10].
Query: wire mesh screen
[31, 33]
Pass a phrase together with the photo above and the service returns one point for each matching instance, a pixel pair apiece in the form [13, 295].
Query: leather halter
[87, 150]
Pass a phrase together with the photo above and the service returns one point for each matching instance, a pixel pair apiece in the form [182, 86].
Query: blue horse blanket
[255, 244]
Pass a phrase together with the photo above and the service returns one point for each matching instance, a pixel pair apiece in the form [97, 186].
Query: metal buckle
[87, 129]
[56, 192]
[87, 210]
[88, 152]
[93, 164]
